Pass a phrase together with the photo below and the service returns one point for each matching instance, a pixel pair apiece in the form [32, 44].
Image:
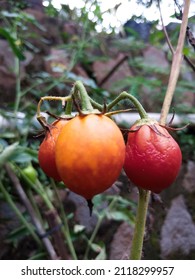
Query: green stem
[90, 242]
[17, 73]
[124, 95]
[19, 214]
[68, 109]
[85, 99]
[50, 98]
[40, 190]
[18, 86]
[138, 236]
[98, 224]
[34, 204]
[96, 104]
[65, 222]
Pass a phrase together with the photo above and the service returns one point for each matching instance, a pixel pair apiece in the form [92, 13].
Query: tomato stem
[96, 104]
[84, 97]
[118, 112]
[124, 95]
[51, 98]
[68, 109]
[138, 236]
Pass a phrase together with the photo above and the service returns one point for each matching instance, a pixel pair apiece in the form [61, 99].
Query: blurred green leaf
[17, 234]
[102, 253]
[122, 202]
[38, 256]
[7, 153]
[9, 15]
[24, 154]
[12, 42]
[78, 228]
[121, 215]
[100, 249]
[18, 154]
[186, 51]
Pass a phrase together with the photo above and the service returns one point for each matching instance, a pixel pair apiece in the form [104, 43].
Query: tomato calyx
[63, 117]
[153, 125]
[149, 122]
[84, 112]
[47, 127]
[170, 128]
[155, 129]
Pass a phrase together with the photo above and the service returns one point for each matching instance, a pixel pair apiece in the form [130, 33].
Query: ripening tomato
[90, 152]
[153, 158]
[46, 153]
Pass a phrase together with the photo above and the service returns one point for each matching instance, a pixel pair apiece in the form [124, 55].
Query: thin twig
[98, 224]
[164, 30]
[19, 214]
[43, 194]
[64, 220]
[51, 216]
[189, 62]
[175, 67]
[35, 220]
[111, 72]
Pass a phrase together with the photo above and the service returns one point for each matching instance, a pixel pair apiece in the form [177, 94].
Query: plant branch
[113, 69]
[96, 105]
[51, 216]
[40, 190]
[136, 103]
[27, 204]
[98, 224]
[84, 97]
[176, 64]
[50, 98]
[64, 220]
[18, 85]
[189, 62]
[138, 235]
[19, 214]
[164, 30]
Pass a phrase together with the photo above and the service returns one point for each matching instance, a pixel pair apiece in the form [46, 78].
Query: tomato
[153, 158]
[30, 173]
[46, 153]
[90, 152]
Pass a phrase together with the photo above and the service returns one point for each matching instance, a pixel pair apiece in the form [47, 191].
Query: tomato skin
[152, 161]
[90, 153]
[46, 154]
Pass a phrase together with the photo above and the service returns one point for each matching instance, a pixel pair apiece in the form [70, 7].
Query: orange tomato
[90, 153]
[46, 154]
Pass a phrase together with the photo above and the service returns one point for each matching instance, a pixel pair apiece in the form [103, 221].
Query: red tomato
[46, 153]
[90, 153]
[153, 159]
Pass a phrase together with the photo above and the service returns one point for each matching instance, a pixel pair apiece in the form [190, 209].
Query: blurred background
[110, 46]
